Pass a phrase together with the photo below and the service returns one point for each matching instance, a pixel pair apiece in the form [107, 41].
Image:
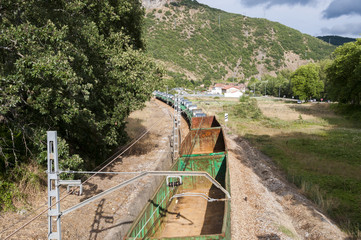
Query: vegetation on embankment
[77, 67]
[196, 42]
[317, 149]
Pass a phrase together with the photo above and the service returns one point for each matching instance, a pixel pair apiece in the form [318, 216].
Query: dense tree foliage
[306, 82]
[344, 81]
[77, 67]
[277, 86]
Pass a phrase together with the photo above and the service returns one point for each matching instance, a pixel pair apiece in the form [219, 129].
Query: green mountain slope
[196, 42]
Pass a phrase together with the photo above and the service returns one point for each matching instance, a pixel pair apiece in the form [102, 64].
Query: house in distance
[228, 90]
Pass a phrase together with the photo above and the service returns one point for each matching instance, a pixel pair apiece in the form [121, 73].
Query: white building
[217, 88]
[232, 91]
[228, 90]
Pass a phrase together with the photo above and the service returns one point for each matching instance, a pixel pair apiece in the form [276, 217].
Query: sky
[313, 17]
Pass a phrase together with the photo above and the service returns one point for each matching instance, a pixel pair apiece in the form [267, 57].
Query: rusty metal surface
[203, 149]
[202, 141]
[204, 122]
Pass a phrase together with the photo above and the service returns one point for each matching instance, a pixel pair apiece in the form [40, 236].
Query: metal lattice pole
[176, 126]
[54, 232]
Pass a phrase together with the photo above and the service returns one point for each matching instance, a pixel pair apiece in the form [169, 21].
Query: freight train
[188, 108]
[194, 204]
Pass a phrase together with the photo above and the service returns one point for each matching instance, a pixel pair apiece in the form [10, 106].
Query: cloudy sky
[314, 17]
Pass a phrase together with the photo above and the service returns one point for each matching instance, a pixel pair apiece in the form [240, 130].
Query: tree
[306, 82]
[324, 64]
[344, 81]
[277, 86]
[77, 67]
[285, 78]
[253, 84]
[207, 80]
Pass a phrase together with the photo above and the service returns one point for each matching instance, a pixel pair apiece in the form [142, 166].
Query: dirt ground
[291, 111]
[264, 206]
[99, 219]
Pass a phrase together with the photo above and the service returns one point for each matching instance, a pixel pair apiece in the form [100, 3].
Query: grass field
[317, 149]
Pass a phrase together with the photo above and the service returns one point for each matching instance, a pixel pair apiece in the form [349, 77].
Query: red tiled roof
[219, 85]
[228, 86]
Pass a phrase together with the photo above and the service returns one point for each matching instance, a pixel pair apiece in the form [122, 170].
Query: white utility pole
[54, 232]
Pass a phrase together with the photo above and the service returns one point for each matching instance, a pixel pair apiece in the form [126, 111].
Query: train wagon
[192, 206]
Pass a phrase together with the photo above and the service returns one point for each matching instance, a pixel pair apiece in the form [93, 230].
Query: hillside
[196, 42]
[336, 40]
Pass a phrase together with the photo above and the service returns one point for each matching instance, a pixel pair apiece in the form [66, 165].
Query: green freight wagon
[191, 207]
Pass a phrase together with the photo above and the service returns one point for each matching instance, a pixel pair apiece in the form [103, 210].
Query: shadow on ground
[101, 217]
[269, 237]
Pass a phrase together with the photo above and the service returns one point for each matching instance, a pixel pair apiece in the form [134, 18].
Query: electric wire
[12, 225]
[93, 171]
[88, 179]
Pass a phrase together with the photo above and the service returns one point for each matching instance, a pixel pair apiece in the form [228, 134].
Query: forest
[77, 67]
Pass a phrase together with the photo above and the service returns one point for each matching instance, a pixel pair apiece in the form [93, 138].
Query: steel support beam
[54, 231]
[176, 126]
[149, 173]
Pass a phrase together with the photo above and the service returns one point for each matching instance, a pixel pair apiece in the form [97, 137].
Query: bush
[351, 112]
[247, 108]
[7, 193]
[244, 98]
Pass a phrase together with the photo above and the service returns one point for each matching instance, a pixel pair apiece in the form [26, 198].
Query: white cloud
[306, 17]
[270, 3]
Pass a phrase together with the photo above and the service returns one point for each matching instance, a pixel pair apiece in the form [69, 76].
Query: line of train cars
[188, 108]
[191, 207]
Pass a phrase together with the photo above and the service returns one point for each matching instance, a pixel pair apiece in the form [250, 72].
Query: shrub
[247, 108]
[7, 193]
